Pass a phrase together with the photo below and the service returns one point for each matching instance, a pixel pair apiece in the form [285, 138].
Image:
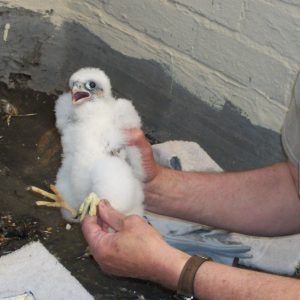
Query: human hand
[136, 137]
[157, 178]
[135, 249]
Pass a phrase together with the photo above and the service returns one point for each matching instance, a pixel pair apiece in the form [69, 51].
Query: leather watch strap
[185, 285]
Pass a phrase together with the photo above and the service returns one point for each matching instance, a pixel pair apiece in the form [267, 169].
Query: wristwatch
[185, 286]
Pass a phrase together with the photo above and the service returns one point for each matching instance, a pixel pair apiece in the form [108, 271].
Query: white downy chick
[95, 156]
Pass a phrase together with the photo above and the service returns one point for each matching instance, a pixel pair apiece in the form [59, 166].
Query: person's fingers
[102, 224]
[91, 230]
[110, 216]
[136, 137]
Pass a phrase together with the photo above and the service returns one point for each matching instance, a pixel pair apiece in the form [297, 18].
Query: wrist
[186, 285]
[155, 176]
[169, 268]
[153, 188]
[164, 194]
[157, 191]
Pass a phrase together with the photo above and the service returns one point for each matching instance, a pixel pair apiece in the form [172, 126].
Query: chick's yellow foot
[56, 196]
[89, 205]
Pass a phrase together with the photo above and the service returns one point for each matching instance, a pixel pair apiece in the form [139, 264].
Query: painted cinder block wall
[217, 72]
[249, 51]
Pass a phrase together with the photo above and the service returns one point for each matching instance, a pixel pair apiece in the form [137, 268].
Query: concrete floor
[30, 155]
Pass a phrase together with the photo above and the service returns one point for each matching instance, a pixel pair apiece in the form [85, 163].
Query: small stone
[68, 226]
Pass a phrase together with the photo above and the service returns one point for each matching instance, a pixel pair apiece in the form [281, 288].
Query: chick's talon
[89, 205]
[56, 197]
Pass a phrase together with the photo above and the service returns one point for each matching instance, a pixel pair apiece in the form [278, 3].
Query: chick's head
[89, 84]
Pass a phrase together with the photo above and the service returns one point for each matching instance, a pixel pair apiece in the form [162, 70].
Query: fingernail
[104, 203]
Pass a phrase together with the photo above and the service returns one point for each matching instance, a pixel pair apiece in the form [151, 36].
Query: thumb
[92, 232]
[110, 216]
[136, 137]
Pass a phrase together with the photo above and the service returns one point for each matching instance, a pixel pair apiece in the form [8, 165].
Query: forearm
[263, 201]
[216, 281]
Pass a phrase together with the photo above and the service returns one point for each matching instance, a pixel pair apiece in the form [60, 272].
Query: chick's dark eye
[90, 85]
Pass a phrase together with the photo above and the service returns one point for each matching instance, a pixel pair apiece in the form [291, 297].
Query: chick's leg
[56, 196]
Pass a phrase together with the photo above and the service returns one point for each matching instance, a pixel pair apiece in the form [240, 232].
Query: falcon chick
[95, 155]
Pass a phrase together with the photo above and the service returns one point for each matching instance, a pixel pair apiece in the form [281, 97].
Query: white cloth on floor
[33, 269]
[191, 156]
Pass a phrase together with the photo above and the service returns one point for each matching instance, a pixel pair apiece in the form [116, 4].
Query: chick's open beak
[79, 95]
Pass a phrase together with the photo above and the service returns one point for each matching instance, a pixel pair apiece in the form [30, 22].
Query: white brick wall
[243, 51]
[254, 45]
[276, 26]
[226, 13]
[162, 21]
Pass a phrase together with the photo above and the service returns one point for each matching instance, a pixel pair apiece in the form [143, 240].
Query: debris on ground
[7, 110]
[18, 228]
